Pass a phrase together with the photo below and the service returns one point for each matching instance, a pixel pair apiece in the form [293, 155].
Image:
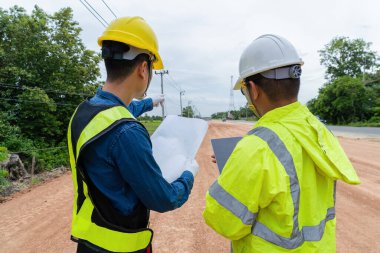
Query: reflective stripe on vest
[298, 237]
[83, 228]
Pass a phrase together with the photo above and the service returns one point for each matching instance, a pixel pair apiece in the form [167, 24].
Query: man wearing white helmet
[276, 192]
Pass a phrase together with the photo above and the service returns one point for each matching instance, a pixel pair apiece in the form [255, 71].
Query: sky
[201, 41]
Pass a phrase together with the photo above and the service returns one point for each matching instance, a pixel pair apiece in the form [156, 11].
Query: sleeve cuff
[188, 176]
[149, 104]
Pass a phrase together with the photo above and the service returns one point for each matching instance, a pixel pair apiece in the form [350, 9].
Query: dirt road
[39, 220]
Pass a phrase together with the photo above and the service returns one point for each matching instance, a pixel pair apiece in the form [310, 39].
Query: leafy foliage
[188, 112]
[346, 57]
[342, 101]
[45, 72]
[242, 113]
[3, 153]
[352, 94]
[3, 181]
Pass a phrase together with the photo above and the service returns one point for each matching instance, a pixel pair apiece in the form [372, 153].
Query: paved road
[370, 132]
[358, 132]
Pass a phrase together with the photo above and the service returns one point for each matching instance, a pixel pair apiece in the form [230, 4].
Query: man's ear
[254, 90]
[142, 68]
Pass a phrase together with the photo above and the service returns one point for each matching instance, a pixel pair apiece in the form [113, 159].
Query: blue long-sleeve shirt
[122, 166]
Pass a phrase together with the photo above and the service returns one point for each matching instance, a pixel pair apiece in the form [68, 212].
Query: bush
[3, 181]
[374, 119]
[50, 159]
[3, 153]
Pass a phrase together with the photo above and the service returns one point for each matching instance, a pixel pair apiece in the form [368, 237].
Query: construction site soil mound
[39, 220]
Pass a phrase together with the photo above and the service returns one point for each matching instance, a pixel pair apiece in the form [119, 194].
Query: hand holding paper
[175, 144]
[192, 166]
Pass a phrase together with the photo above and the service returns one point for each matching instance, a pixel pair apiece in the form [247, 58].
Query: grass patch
[151, 125]
[3, 153]
[3, 179]
[365, 124]
[36, 180]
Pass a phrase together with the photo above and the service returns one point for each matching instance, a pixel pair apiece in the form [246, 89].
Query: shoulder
[130, 133]
[250, 144]
[131, 129]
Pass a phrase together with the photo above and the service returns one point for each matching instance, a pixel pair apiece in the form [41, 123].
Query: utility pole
[181, 93]
[246, 111]
[162, 73]
[188, 109]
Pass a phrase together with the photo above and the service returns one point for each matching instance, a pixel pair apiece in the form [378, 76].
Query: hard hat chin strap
[251, 106]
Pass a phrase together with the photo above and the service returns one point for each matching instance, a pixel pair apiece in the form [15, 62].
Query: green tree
[11, 136]
[343, 101]
[372, 83]
[43, 52]
[188, 112]
[347, 57]
[42, 123]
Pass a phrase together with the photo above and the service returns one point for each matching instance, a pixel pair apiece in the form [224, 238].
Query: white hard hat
[265, 53]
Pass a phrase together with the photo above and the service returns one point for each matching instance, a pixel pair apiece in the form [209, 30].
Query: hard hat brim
[158, 64]
[238, 84]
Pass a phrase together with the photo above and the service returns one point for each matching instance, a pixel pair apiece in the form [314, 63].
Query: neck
[273, 105]
[120, 89]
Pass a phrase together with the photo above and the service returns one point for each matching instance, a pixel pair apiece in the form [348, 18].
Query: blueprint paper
[223, 149]
[175, 141]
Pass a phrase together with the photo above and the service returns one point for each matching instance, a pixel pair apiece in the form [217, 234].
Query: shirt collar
[109, 96]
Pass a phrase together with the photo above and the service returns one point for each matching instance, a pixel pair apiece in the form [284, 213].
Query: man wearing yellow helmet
[276, 192]
[116, 179]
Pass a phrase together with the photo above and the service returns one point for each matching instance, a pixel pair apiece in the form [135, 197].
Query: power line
[96, 11]
[175, 84]
[46, 90]
[35, 102]
[109, 9]
[37, 149]
[172, 85]
[93, 13]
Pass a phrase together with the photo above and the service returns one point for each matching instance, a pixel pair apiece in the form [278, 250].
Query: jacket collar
[109, 96]
[280, 112]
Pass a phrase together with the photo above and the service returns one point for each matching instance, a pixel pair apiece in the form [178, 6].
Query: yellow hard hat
[136, 32]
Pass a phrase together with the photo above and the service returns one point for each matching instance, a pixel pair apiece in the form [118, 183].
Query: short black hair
[276, 89]
[120, 69]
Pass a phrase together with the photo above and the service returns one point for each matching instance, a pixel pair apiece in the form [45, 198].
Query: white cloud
[201, 41]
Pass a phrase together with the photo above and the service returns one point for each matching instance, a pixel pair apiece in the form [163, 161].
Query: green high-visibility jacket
[89, 226]
[276, 192]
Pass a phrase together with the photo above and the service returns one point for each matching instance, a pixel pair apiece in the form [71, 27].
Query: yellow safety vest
[276, 192]
[88, 123]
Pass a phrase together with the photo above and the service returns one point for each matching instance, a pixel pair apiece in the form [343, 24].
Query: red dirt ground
[39, 220]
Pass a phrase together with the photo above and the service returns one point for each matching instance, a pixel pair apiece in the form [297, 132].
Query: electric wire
[35, 102]
[92, 13]
[109, 9]
[96, 11]
[37, 149]
[174, 83]
[10, 86]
